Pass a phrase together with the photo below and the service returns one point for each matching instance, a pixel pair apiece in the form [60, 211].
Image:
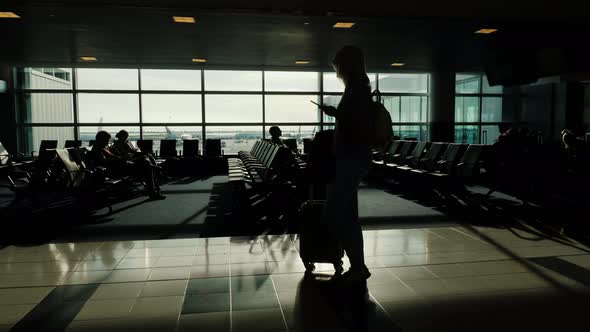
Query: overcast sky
[222, 108]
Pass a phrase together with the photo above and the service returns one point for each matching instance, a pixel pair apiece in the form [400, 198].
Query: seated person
[101, 155]
[275, 136]
[123, 148]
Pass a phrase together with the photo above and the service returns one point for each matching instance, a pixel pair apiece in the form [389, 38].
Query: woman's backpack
[382, 124]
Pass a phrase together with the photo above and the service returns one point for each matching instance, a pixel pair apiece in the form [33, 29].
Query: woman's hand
[329, 110]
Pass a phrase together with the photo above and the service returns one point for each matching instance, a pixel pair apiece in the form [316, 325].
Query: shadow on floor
[323, 304]
[524, 310]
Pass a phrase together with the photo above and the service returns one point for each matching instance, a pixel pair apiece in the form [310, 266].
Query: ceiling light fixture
[344, 25]
[302, 62]
[398, 64]
[199, 60]
[88, 58]
[8, 15]
[486, 31]
[183, 19]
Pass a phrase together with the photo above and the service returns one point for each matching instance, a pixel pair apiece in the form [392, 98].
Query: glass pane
[424, 133]
[491, 89]
[405, 132]
[171, 108]
[424, 111]
[491, 109]
[106, 79]
[467, 134]
[99, 108]
[45, 78]
[466, 109]
[295, 132]
[489, 134]
[412, 109]
[235, 138]
[410, 83]
[184, 80]
[233, 108]
[466, 83]
[283, 108]
[396, 132]
[47, 108]
[334, 84]
[392, 104]
[32, 137]
[332, 101]
[291, 81]
[88, 134]
[178, 133]
[233, 80]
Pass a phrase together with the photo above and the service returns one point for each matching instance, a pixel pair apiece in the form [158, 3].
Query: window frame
[480, 95]
[321, 124]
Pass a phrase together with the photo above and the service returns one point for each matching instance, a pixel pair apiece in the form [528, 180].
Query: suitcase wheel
[309, 267]
[338, 267]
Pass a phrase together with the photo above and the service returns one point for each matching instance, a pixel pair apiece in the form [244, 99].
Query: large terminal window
[236, 106]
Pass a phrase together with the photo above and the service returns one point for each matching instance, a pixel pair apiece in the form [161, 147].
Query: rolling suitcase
[316, 243]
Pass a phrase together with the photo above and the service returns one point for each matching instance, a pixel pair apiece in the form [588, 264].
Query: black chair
[73, 144]
[46, 145]
[190, 148]
[167, 149]
[426, 163]
[394, 147]
[399, 158]
[446, 165]
[471, 163]
[212, 147]
[291, 143]
[146, 145]
[412, 159]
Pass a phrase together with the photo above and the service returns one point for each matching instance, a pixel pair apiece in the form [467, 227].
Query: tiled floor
[423, 280]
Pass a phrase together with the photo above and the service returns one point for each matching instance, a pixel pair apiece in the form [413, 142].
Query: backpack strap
[377, 94]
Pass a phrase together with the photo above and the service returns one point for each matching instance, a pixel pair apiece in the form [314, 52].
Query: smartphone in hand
[313, 102]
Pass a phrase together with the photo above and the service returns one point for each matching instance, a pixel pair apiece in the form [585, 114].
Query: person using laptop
[125, 164]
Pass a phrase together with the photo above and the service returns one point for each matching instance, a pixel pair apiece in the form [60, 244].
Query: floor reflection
[327, 304]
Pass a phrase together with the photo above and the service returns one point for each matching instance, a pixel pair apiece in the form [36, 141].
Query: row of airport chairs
[69, 172]
[440, 164]
[263, 179]
[256, 165]
[190, 147]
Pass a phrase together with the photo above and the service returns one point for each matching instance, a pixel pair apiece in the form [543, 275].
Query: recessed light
[8, 15]
[302, 62]
[199, 60]
[88, 58]
[183, 19]
[305, 23]
[398, 64]
[486, 31]
[344, 25]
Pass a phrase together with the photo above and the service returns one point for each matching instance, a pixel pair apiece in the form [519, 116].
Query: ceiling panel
[232, 33]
